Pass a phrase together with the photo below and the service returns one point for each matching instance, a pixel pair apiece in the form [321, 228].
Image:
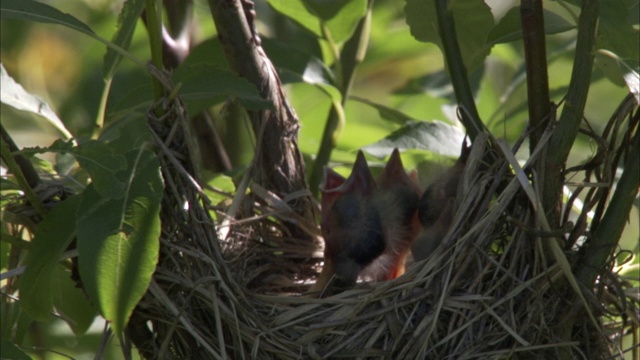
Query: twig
[281, 168]
[21, 168]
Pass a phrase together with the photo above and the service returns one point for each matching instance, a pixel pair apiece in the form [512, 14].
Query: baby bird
[436, 208]
[351, 227]
[397, 199]
[368, 226]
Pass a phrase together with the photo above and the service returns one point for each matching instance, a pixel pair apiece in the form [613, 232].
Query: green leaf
[509, 28]
[340, 16]
[421, 106]
[386, 112]
[344, 23]
[616, 32]
[434, 136]
[325, 9]
[127, 21]
[312, 106]
[71, 302]
[473, 21]
[9, 350]
[102, 164]
[53, 235]
[127, 134]
[14, 95]
[204, 85]
[36, 11]
[296, 11]
[221, 183]
[294, 65]
[136, 101]
[118, 239]
[613, 67]
[209, 51]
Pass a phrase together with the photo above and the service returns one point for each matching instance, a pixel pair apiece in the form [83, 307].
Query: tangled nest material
[488, 292]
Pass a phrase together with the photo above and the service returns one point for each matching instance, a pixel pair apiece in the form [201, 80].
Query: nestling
[351, 227]
[397, 199]
[367, 226]
[436, 208]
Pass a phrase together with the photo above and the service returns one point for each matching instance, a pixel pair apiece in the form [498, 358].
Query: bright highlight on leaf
[435, 136]
[14, 95]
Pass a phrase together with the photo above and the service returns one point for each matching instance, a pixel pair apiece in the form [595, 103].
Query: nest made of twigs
[489, 291]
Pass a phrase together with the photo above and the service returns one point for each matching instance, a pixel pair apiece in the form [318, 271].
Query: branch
[536, 62]
[565, 133]
[22, 170]
[280, 167]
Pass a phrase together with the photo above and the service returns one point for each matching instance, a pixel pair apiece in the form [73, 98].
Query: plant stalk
[154, 27]
[536, 66]
[279, 166]
[351, 56]
[457, 70]
[566, 131]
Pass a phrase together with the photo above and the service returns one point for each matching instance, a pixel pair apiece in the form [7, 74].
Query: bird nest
[491, 290]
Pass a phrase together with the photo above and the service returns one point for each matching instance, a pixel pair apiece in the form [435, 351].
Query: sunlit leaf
[509, 28]
[473, 21]
[294, 65]
[387, 112]
[14, 95]
[325, 9]
[434, 136]
[312, 106]
[296, 11]
[220, 183]
[343, 24]
[615, 69]
[118, 239]
[53, 235]
[340, 17]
